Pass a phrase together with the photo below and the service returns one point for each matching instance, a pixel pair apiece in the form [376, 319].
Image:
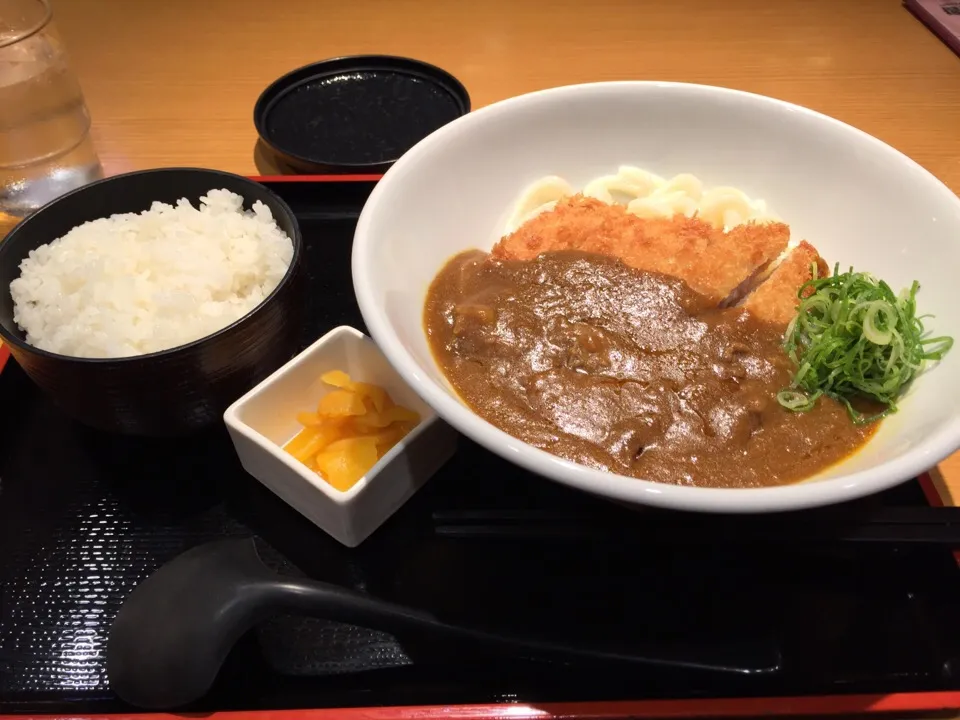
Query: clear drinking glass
[45, 145]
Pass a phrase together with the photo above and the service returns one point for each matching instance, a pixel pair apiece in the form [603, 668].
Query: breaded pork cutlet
[775, 299]
[714, 263]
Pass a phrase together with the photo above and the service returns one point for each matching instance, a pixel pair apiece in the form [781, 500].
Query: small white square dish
[264, 419]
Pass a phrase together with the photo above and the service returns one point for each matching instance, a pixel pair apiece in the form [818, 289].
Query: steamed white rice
[138, 283]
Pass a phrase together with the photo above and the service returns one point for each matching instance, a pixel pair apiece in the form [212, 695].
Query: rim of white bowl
[798, 496]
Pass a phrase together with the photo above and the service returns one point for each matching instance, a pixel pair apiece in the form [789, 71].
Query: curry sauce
[627, 371]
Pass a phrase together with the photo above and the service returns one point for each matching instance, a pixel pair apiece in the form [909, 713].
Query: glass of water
[45, 145]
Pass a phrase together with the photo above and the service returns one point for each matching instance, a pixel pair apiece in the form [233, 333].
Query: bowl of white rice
[146, 303]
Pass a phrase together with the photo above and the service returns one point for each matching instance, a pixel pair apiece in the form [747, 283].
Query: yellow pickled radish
[344, 462]
[336, 378]
[341, 403]
[353, 427]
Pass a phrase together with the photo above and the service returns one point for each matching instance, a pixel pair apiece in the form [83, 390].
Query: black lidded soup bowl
[172, 392]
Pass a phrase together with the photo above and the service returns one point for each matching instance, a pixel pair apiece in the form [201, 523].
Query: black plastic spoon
[174, 631]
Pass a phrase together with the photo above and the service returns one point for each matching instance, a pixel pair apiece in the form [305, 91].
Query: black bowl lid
[356, 114]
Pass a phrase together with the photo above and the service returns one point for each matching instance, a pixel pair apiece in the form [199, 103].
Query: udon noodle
[646, 194]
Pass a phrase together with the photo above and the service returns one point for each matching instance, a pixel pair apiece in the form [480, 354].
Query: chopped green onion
[852, 337]
[793, 400]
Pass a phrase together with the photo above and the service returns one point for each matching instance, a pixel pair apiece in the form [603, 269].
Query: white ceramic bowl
[861, 202]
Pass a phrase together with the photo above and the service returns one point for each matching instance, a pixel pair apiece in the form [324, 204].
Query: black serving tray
[850, 606]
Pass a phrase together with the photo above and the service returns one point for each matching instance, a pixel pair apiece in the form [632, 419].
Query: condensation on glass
[45, 144]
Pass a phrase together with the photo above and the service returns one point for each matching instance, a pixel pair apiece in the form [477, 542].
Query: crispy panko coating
[716, 264]
[775, 299]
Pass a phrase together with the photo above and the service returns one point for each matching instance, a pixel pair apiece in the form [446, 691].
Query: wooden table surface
[173, 82]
